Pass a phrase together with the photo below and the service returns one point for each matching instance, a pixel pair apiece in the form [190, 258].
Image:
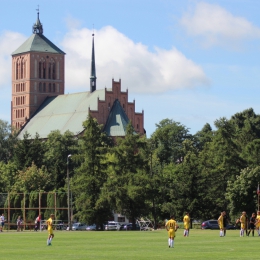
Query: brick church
[39, 104]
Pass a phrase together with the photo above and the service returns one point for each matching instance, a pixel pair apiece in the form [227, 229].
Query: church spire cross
[37, 27]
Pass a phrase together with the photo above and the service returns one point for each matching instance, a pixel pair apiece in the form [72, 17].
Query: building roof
[63, 112]
[117, 121]
[38, 43]
[68, 112]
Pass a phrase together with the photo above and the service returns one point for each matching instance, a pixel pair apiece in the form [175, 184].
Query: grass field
[134, 245]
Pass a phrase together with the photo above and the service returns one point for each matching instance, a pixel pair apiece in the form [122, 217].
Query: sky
[190, 61]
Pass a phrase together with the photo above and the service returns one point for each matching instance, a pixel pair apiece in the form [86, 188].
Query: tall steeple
[37, 27]
[93, 77]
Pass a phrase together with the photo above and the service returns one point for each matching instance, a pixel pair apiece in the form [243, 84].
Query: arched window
[40, 87]
[17, 69]
[44, 87]
[44, 70]
[22, 69]
[49, 87]
[49, 70]
[53, 88]
[53, 71]
[40, 70]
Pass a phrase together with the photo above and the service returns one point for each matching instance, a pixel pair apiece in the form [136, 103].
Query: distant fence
[29, 205]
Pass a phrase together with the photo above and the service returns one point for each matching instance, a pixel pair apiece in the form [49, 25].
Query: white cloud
[119, 57]
[217, 26]
[9, 42]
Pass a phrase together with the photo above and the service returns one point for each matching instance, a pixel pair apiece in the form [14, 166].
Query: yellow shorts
[243, 226]
[50, 231]
[186, 226]
[171, 233]
[221, 227]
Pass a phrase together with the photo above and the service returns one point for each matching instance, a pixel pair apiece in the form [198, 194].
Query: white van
[112, 225]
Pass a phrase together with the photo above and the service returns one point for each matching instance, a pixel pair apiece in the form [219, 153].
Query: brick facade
[35, 76]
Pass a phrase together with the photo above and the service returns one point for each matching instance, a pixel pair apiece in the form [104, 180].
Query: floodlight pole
[68, 196]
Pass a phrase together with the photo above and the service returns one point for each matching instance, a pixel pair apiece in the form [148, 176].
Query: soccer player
[257, 223]
[252, 225]
[221, 225]
[186, 222]
[50, 230]
[225, 222]
[2, 222]
[171, 227]
[243, 223]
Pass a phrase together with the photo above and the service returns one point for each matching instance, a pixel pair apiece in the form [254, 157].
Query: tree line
[171, 172]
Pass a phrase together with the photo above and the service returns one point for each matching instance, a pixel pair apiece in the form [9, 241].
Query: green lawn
[134, 245]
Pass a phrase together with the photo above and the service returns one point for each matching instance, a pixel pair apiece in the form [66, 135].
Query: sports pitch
[134, 245]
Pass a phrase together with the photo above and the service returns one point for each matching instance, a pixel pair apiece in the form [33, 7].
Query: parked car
[213, 224]
[112, 225]
[129, 226]
[210, 224]
[79, 226]
[231, 226]
[91, 227]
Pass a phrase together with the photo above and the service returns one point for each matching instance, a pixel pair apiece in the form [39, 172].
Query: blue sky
[190, 61]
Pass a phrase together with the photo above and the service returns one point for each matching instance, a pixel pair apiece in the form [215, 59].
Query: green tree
[57, 148]
[204, 136]
[168, 138]
[27, 151]
[32, 179]
[91, 174]
[8, 173]
[7, 141]
[125, 189]
[220, 162]
[241, 194]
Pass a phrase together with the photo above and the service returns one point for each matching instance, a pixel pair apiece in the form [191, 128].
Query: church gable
[111, 95]
[116, 121]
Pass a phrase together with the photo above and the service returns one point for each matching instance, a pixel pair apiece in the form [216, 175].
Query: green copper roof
[117, 121]
[64, 112]
[38, 43]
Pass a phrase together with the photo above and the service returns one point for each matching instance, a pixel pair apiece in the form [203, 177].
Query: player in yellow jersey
[171, 227]
[186, 223]
[50, 229]
[243, 223]
[257, 223]
[221, 224]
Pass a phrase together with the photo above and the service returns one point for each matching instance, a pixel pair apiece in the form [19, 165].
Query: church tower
[93, 77]
[38, 72]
